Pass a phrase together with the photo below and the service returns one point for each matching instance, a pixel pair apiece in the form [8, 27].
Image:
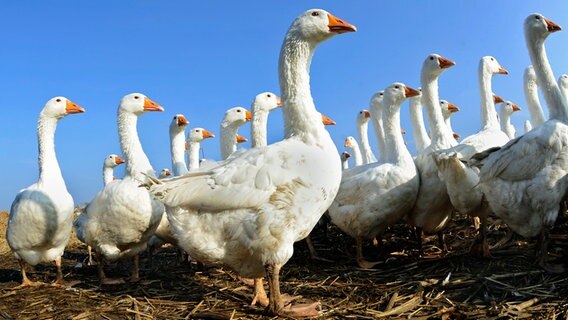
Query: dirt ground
[451, 286]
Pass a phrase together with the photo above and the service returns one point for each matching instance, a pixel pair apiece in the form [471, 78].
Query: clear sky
[200, 58]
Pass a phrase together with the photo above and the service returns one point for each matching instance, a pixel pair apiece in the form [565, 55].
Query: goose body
[41, 216]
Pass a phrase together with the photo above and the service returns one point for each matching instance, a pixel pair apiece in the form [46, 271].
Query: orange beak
[445, 63]
[409, 92]
[516, 107]
[367, 114]
[118, 160]
[207, 134]
[240, 139]
[150, 105]
[497, 99]
[456, 135]
[278, 101]
[167, 172]
[348, 143]
[551, 26]
[327, 121]
[502, 70]
[248, 115]
[71, 107]
[347, 154]
[182, 121]
[337, 25]
[453, 108]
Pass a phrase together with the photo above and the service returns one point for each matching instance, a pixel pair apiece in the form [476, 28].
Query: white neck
[357, 158]
[301, 119]
[531, 96]
[419, 133]
[134, 156]
[49, 171]
[345, 164]
[108, 174]
[506, 126]
[396, 151]
[177, 149]
[448, 123]
[377, 117]
[367, 153]
[545, 78]
[439, 132]
[258, 128]
[228, 140]
[488, 113]
[193, 152]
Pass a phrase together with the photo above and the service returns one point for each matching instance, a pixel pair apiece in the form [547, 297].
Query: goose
[248, 211]
[262, 104]
[377, 195]
[122, 217]
[419, 133]
[352, 144]
[232, 120]
[164, 173]
[461, 180]
[563, 84]
[527, 126]
[362, 122]
[376, 108]
[448, 109]
[110, 162]
[432, 209]
[531, 95]
[41, 216]
[525, 182]
[194, 139]
[345, 160]
[506, 110]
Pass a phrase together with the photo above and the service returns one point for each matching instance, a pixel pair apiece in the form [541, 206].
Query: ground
[451, 286]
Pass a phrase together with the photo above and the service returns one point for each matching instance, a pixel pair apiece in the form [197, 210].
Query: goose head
[537, 27]
[164, 173]
[60, 107]
[265, 102]
[138, 103]
[240, 139]
[350, 142]
[507, 107]
[113, 160]
[435, 64]
[317, 25]
[199, 134]
[448, 108]
[377, 103]
[178, 124]
[490, 65]
[236, 117]
[418, 97]
[345, 155]
[396, 93]
[363, 116]
[563, 81]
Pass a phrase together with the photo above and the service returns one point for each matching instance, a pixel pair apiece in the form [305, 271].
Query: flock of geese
[247, 210]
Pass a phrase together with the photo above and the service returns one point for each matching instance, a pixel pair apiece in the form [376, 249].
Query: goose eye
[397, 87]
[269, 95]
[537, 17]
[431, 58]
[136, 97]
[492, 59]
[58, 100]
[238, 110]
[315, 14]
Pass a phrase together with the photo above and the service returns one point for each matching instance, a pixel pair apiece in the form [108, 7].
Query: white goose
[262, 104]
[505, 112]
[352, 144]
[362, 123]
[525, 181]
[232, 120]
[376, 109]
[563, 84]
[373, 197]
[432, 209]
[41, 216]
[110, 162]
[122, 217]
[248, 211]
[419, 133]
[448, 109]
[194, 139]
[345, 160]
[531, 96]
[527, 126]
[164, 173]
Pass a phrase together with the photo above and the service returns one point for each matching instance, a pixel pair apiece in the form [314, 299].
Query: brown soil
[454, 286]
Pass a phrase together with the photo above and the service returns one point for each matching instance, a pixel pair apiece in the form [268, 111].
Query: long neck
[531, 96]
[344, 164]
[108, 175]
[505, 122]
[396, 150]
[488, 113]
[177, 149]
[377, 117]
[546, 80]
[228, 141]
[258, 128]
[357, 158]
[439, 132]
[448, 123]
[419, 133]
[301, 119]
[135, 158]
[193, 152]
[362, 131]
[49, 171]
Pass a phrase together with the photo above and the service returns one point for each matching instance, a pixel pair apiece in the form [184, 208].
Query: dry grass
[455, 286]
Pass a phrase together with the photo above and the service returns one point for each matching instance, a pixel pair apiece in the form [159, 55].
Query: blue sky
[201, 58]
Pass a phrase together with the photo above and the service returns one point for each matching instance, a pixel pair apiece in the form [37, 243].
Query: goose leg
[312, 250]
[26, 282]
[135, 277]
[59, 274]
[259, 293]
[442, 242]
[543, 257]
[361, 261]
[480, 247]
[277, 306]
[101, 272]
[418, 232]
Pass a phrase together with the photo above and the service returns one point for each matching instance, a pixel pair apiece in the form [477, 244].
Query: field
[451, 286]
